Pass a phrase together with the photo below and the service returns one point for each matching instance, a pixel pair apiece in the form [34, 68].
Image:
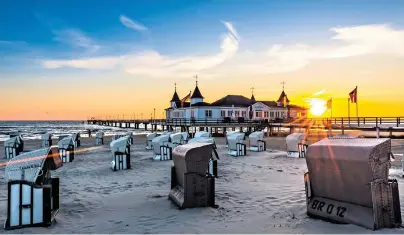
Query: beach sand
[257, 193]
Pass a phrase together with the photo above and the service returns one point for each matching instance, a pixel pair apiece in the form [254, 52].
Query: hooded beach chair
[191, 186]
[214, 157]
[99, 138]
[229, 133]
[296, 145]
[347, 182]
[175, 140]
[185, 137]
[120, 149]
[161, 149]
[46, 140]
[76, 140]
[149, 139]
[66, 149]
[257, 142]
[236, 146]
[33, 195]
[13, 147]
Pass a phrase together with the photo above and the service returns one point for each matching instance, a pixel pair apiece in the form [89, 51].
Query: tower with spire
[196, 95]
[283, 98]
[175, 98]
[252, 95]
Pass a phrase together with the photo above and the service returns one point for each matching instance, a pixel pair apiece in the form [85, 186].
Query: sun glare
[317, 107]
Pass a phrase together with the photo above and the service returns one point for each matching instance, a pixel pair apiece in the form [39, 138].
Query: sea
[34, 129]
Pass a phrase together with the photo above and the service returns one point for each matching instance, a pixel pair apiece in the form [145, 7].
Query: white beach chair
[257, 142]
[190, 185]
[149, 139]
[214, 157]
[296, 145]
[13, 147]
[76, 139]
[120, 149]
[236, 145]
[348, 182]
[175, 140]
[33, 195]
[99, 138]
[161, 149]
[130, 134]
[46, 140]
[185, 137]
[66, 149]
[229, 133]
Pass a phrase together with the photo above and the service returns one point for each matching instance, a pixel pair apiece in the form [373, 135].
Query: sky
[69, 60]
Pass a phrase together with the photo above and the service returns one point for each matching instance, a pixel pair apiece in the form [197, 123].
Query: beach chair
[46, 140]
[149, 139]
[199, 134]
[120, 149]
[66, 149]
[161, 148]
[236, 146]
[229, 133]
[347, 182]
[296, 145]
[191, 186]
[33, 195]
[175, 140]
[257, 142]
[13, 147]
[130, 134]
[76, 140]
[99, 138]
[185, 137]
[214, 157]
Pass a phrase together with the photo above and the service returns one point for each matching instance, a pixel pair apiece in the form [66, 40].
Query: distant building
[233, 107]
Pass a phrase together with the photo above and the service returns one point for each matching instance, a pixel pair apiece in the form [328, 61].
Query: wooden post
[342, 126]
[377, 132]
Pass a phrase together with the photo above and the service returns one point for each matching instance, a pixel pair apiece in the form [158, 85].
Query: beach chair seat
[66, 149]
[236, 146]
[33, 195]
[149, 139]
[257, 142]
[161, 148]
[212, 169]
[120, 149]
[13, 147]
[347, 182]
[191, 186]
[296, 145]
[46, 140]
[99, 138]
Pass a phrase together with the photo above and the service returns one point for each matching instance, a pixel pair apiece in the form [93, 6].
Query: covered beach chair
[13, 146]
[99, 138]
[76, 139]
[202, 134]
[256, 141]
[130, 134]
[296, 145]
[46, 140]
[175, 140]
[236, 144]
[162, 150]
[33, 195]
[66, 149]
[120, 149]
[214, 157]
[191, 186]
[229, 133]
[149, 139]
[185, 137]
[347, 182]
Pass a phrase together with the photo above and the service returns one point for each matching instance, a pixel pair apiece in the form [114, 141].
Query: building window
[257, 114]
[243, 113]
[223, 113]
[237, 113]
[266, 114]
[229, 114]
[208, 113]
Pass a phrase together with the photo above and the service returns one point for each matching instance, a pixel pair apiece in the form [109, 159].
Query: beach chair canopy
[75, 136]
[159, 141]
[235, 138]
[12, 142]
[184, 135]
[201, 140]
[255, 136]
[231, 132]
[292, 140]
[46, 136]
[201, 134]
[65, 142]
[176, 138]
[99, 134]
[193, 158]
[151, 136]
[119, 145]
[30, 166]
[342, 169]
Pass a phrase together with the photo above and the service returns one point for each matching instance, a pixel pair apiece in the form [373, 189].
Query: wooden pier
[376, 124]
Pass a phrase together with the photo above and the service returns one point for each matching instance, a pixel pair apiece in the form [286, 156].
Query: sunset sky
[72, 59]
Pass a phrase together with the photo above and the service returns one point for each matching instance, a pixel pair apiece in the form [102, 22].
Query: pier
[219, 126]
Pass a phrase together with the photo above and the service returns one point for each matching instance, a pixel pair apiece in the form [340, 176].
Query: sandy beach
[257, 193]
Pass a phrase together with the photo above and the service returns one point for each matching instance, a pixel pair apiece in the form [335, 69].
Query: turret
[196, 95]
[175, 98]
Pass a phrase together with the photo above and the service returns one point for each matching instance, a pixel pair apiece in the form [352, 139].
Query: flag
[185, 99]
[329, 104]
[353, 95]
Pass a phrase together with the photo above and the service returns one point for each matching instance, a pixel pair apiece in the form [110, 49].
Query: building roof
[281, 97]
[175, 98]
[296, 107]
[252, 98]
[230, 100]
[196, 93]
[269, 103]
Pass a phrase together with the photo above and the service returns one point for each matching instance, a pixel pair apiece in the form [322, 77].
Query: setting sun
[317, 106]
